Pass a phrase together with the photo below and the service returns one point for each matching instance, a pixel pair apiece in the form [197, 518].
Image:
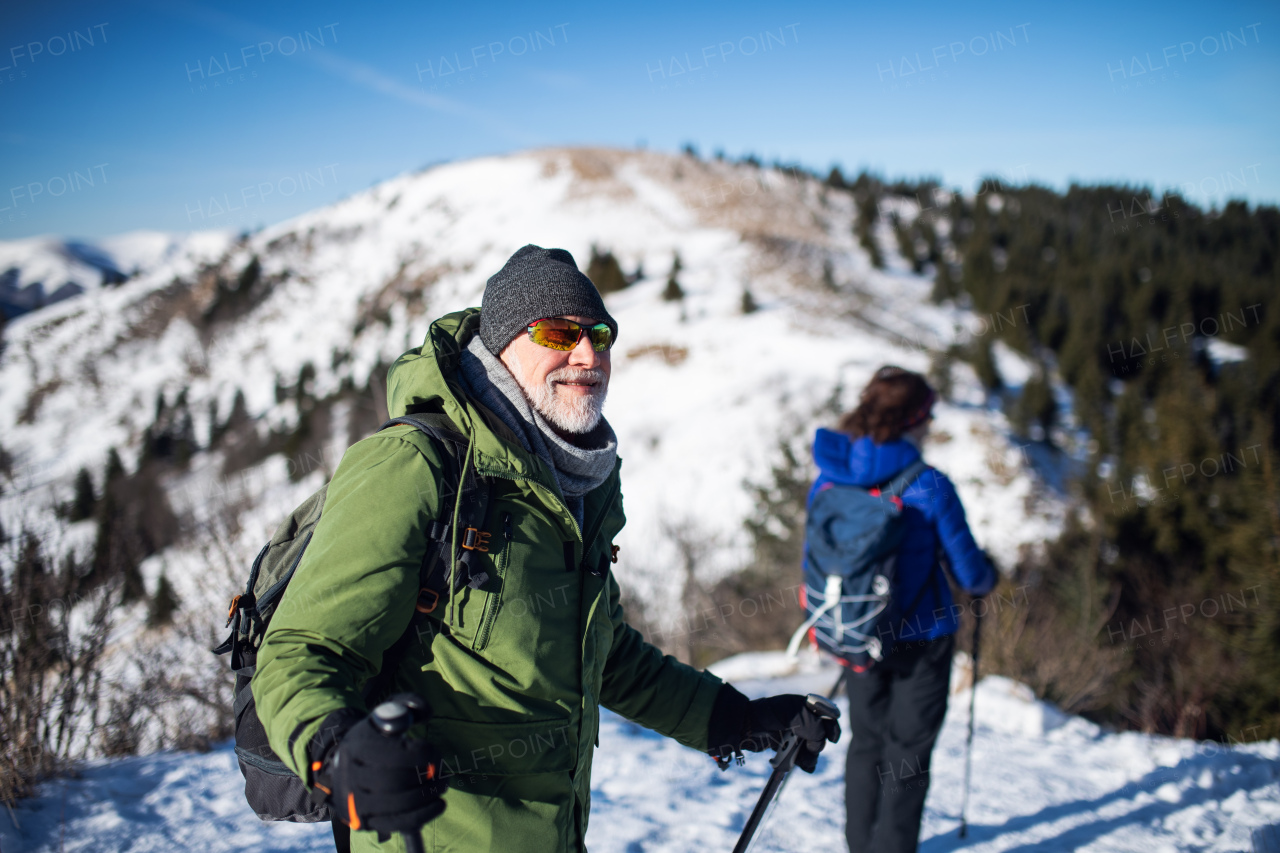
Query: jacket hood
[420, 379]
[860, 462]
[426, 380]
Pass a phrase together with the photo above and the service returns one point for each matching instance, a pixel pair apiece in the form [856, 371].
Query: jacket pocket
[524, 748]
[466, 614]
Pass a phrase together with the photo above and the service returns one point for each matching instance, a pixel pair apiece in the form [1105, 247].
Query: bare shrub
[763, 595]
[669, 353]
[177, 696]
[53, 634]
[171, 693]
[694, 545]
[755, 608]
[1044, 626]
[121, 732]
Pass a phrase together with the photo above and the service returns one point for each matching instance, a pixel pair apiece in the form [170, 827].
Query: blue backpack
[851, 549]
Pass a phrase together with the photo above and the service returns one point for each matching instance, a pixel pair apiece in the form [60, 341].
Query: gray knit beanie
[536, 283]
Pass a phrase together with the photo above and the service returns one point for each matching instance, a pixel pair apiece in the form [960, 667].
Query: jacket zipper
[585, 619]
[604, 514]
[582, 582]
[500, 566]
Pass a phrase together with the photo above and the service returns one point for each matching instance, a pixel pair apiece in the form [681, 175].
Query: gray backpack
[272, 789]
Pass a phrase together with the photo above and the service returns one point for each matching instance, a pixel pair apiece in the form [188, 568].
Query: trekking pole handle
[393, 718]
[822, 706]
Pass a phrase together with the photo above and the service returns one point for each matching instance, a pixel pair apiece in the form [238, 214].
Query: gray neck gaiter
[579, 467]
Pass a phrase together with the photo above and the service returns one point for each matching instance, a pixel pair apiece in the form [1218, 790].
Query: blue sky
[174, 116]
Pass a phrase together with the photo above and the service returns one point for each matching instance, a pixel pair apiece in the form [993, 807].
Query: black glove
[373, 780]
[738, 723]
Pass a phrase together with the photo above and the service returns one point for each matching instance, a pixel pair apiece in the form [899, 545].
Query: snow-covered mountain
[40, 271]
[277, 342]
[263, 356]
[702, 393]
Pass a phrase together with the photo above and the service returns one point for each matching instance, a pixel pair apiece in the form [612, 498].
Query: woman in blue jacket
[896, 706]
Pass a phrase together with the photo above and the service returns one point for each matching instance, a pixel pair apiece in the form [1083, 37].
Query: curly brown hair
[894, 401]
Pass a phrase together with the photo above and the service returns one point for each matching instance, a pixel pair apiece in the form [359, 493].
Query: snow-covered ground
[1042, 781]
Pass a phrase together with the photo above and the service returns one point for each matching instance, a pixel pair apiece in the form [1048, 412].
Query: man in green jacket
[516, 663]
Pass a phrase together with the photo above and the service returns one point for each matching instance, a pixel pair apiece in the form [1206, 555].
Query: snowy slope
[1042, 782]
[140, 252]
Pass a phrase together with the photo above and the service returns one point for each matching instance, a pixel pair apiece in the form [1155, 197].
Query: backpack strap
[461, 530]
[454, 489]
[895, 487]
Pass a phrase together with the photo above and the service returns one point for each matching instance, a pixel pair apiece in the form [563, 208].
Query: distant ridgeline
[18, 296]
[1157, 609]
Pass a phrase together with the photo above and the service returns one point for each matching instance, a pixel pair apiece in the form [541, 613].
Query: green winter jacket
[515, 672]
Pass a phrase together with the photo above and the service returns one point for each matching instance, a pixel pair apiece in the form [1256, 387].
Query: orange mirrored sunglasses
[560, 334]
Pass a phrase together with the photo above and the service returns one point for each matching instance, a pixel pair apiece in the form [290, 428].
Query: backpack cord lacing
[453, 543]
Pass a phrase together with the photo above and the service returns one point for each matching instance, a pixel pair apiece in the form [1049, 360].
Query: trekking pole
[835, 688]
[782, 763]
[393, 719]
[968, 744]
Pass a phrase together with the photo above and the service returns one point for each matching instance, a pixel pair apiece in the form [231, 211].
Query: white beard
[575, 413]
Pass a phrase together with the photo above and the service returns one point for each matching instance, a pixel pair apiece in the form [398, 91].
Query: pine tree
[673, 291]
[114, 469]
[945, 284]
[1111, 296]
[829, 276]
[749, 305]
[984, 364]
[249, 276]
[162, 604]
[605, 272]
[134, 521]
[1035, 406]
[83, 503]
[939, 374]
[304, 391]
[864, 227]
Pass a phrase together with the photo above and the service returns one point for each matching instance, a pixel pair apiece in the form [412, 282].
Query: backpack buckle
[475, 539]
[423, 606]
[235, 605]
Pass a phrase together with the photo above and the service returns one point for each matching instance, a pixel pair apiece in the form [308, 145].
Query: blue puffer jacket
[932, 514]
